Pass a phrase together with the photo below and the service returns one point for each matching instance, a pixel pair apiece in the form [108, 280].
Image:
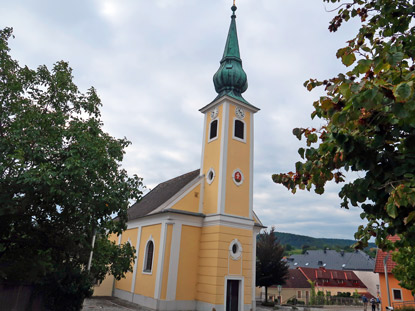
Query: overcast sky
[152, 62]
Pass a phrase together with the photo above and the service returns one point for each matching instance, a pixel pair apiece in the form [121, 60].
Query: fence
[403, 304]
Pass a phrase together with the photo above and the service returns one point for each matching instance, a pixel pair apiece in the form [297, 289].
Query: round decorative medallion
[240, 113]
[210, 176]
[235, 249]
[238, 177]
[214, 113]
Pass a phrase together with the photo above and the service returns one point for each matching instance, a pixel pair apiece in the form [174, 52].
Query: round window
[210, 176]
[235, 249]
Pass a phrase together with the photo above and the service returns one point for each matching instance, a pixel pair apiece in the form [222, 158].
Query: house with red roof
[397, 295]
[334, 281]
[326, 280]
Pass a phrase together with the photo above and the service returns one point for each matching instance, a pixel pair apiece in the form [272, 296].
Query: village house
[392, 294]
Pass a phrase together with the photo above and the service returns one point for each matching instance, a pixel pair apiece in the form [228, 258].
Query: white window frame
[233, 130]
[393, 294]
[208, 180]
[238, 254]
[150, 239]
[210, 128]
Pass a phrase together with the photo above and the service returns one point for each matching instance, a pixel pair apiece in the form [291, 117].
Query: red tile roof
[335, 278]
[296, 279]
[380, 255]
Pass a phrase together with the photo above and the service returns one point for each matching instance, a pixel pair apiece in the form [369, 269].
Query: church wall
[238, 157]
[190, 202]
[211, 160]
[215, 263]
[166, 264]
[188, 263]
[145, 282]
[128, 235]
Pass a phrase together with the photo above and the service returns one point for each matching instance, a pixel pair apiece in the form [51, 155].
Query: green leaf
[392, 210]
[301, 152]
[297, 132]
[402, 91]
[348, 59]
[410, 218]
[364, 65]
[396, 58]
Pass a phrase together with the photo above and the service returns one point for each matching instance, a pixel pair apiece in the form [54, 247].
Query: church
[195, 235]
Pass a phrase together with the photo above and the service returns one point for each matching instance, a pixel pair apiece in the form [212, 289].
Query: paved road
[110, 304]
[115, 304]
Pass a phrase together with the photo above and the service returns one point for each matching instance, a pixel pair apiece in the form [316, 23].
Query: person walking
[377, 303]
[373, 303]
[365, 301]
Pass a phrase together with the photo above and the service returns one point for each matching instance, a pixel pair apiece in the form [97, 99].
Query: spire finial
[233, 8]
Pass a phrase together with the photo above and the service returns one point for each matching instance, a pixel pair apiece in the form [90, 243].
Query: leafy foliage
[60, 182]
[369, 115]
[270, 269]
[404, 271]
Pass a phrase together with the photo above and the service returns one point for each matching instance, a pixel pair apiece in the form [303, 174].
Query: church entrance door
[232, 295]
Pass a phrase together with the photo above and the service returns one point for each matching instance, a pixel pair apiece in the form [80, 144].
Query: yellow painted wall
[211, 159]
[125, 283]
[105, 288]
[189, 202]
[215, 263]
[145, 283]
[166, 261]
[188, 263]
[237, 197]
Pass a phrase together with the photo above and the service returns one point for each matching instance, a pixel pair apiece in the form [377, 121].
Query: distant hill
[297, 241]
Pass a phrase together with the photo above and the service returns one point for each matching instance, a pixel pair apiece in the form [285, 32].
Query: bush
[292, 301]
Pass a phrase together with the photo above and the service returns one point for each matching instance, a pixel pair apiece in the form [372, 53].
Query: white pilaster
[223, 158]
[160, 261]
[174, 261]
[137, 251]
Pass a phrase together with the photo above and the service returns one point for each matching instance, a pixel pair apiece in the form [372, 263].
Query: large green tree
[369, 122]
[61, 182]
[270, 268]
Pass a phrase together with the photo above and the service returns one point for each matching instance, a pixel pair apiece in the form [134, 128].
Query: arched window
[239, 130]
[148, 260]
[213, 130]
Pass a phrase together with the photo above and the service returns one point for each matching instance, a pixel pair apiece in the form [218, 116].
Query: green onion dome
[231, 79]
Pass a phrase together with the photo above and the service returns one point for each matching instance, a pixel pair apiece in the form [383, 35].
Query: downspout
[386, 278]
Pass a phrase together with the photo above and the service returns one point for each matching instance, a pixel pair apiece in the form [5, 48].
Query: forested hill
[298, 241]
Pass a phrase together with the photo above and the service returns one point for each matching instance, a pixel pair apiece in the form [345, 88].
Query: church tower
[227, 154]
[226, 275]
[195, 234]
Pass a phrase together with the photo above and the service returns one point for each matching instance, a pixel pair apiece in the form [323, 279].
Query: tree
[270, 269]
[61, 182]
[369, 122]
[404, 271]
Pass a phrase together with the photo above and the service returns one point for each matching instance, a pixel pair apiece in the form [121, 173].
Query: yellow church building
[195, 234]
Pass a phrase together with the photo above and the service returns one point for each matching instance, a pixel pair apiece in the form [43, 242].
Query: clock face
[214, 113]
[240, 113]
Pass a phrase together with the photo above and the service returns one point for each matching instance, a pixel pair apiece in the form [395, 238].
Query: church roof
[160, 194]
